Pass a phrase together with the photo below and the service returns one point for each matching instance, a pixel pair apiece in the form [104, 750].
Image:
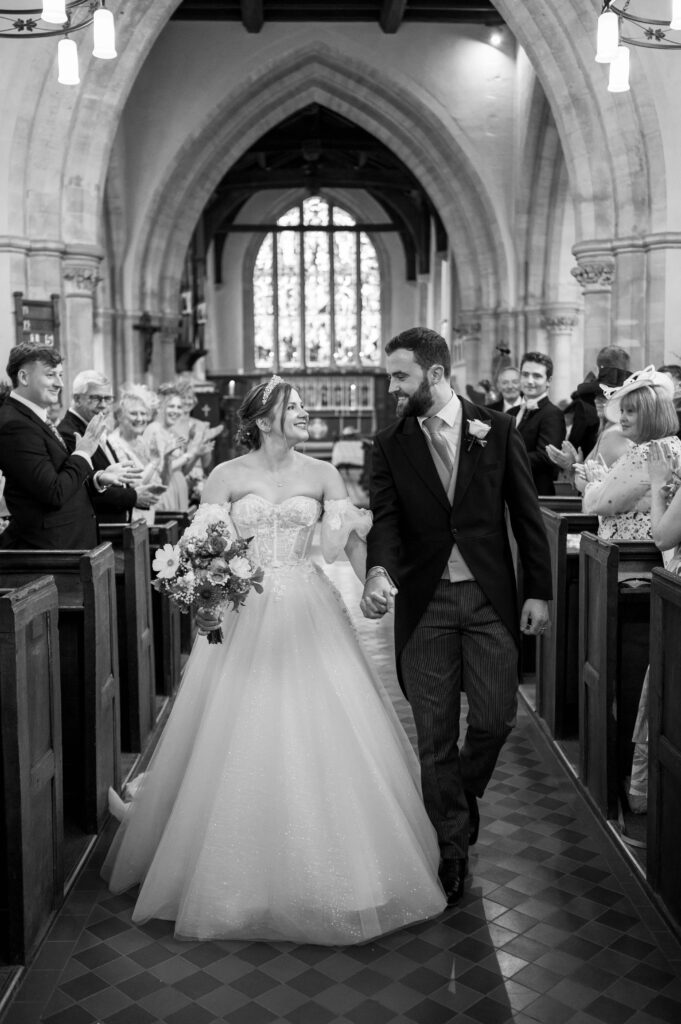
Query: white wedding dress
[283, 801]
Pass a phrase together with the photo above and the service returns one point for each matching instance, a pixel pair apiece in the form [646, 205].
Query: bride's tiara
[272, 383]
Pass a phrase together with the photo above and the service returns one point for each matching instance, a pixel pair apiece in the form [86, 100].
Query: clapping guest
[135, 409]
[621, 495]
[49, 505]
[92, 394]
[165, 443]
[610, 444]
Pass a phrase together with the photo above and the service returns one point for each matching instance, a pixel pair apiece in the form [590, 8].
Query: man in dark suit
[539, 421]
[508, 386]
[442, 478]
[92, 394]
[45, 490]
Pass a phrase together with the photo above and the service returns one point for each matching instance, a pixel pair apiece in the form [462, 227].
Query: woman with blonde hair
[135, 409]
[621, 495]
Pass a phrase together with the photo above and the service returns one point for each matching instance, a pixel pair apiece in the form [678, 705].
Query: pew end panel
[135, 631]
[167, 618]
[90, 711]
[614, 625]
[664, 775]
[31, 824]
[187, 623]
[558, 646]
[598, 564]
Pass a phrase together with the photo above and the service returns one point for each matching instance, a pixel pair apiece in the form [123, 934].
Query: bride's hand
[207, 621]
[378, 597]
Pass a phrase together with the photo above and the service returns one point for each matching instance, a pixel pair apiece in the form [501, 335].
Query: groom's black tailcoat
[415, 525]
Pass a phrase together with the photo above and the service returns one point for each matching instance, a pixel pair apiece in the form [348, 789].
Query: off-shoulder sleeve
[341, 518]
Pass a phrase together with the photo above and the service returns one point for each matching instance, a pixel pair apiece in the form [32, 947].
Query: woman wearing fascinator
[620, 495]
[283, 801]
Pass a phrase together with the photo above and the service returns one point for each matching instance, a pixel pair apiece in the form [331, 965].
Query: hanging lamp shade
[67, 62]
[608, 37]
[619, 71]
[676, 16]
[54, 12]
[104, 34]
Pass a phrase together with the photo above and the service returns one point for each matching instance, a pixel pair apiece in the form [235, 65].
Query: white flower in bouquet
[241, 567]
[167, 561]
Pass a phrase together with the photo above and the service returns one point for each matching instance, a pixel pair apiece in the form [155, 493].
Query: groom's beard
[417, 404]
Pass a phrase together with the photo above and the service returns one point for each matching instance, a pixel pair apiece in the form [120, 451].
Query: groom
[442, 480]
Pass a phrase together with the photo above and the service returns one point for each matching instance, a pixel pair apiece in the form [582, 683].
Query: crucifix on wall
[147, 331]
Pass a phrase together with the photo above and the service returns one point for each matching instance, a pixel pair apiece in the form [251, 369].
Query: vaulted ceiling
[317, 149]
[390, 14]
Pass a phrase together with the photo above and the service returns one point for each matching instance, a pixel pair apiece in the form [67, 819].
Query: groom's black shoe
[452, 874]
[473, 817]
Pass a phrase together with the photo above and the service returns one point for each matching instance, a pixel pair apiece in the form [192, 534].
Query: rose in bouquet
[209, 568]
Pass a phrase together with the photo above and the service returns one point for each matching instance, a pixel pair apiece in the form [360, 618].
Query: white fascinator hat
[649, 377]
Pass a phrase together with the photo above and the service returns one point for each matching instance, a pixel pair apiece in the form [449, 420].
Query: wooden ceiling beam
[392, 13]
[252, 15]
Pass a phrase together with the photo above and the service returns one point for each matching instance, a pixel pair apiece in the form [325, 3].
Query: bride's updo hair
[260, 403]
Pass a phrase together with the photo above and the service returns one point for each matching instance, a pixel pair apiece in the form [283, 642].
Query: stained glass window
[316, 291]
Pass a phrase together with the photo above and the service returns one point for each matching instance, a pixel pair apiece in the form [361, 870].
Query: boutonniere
[476, 432]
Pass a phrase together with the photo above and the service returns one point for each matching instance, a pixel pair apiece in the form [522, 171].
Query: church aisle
[553, 929]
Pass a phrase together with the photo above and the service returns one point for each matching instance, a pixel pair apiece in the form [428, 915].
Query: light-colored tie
[435, 427]
[56, 433]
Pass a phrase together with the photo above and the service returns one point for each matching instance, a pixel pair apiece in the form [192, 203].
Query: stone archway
[317, 74]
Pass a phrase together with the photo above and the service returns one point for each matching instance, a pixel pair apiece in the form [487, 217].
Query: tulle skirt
[283, 801]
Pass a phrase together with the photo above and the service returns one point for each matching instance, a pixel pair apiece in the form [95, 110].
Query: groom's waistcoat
[416, 523]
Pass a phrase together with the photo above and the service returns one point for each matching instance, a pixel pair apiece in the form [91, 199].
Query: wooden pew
[561, 502]
[613, 656]
[557, 648]
[187, 623]
[130, 542]
[167, 618]
[31, 808]
[664, 755]
[88, 660]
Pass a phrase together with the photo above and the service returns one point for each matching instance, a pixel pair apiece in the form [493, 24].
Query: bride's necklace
[273, 473]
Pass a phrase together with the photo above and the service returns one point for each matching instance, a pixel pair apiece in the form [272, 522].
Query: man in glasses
[113, 494]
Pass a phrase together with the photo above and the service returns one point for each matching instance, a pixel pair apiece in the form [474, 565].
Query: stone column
[467, 344]
[663, 298]
[595, 272]
[629, 314]
[559, 323]
[80, 274]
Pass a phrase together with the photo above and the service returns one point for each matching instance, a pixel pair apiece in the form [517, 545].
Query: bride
[283, 801]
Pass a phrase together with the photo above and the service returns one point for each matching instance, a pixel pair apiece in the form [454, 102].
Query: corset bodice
[282, 533]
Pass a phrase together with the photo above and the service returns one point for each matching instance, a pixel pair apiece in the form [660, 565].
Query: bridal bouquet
[210, 567]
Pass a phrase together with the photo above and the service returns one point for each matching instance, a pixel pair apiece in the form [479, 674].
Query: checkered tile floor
[553, 929]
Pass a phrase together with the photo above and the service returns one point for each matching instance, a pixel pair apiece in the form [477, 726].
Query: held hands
[534, 617]
[378, 597]
[95, 430]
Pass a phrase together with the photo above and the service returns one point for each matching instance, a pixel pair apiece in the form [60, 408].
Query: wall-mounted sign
[36, 320]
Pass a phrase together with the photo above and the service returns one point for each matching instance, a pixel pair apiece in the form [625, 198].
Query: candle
[231, 387]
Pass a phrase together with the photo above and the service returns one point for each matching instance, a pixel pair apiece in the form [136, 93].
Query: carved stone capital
[596, 276]
[559, 324]
[467, 329]
[83, 279]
